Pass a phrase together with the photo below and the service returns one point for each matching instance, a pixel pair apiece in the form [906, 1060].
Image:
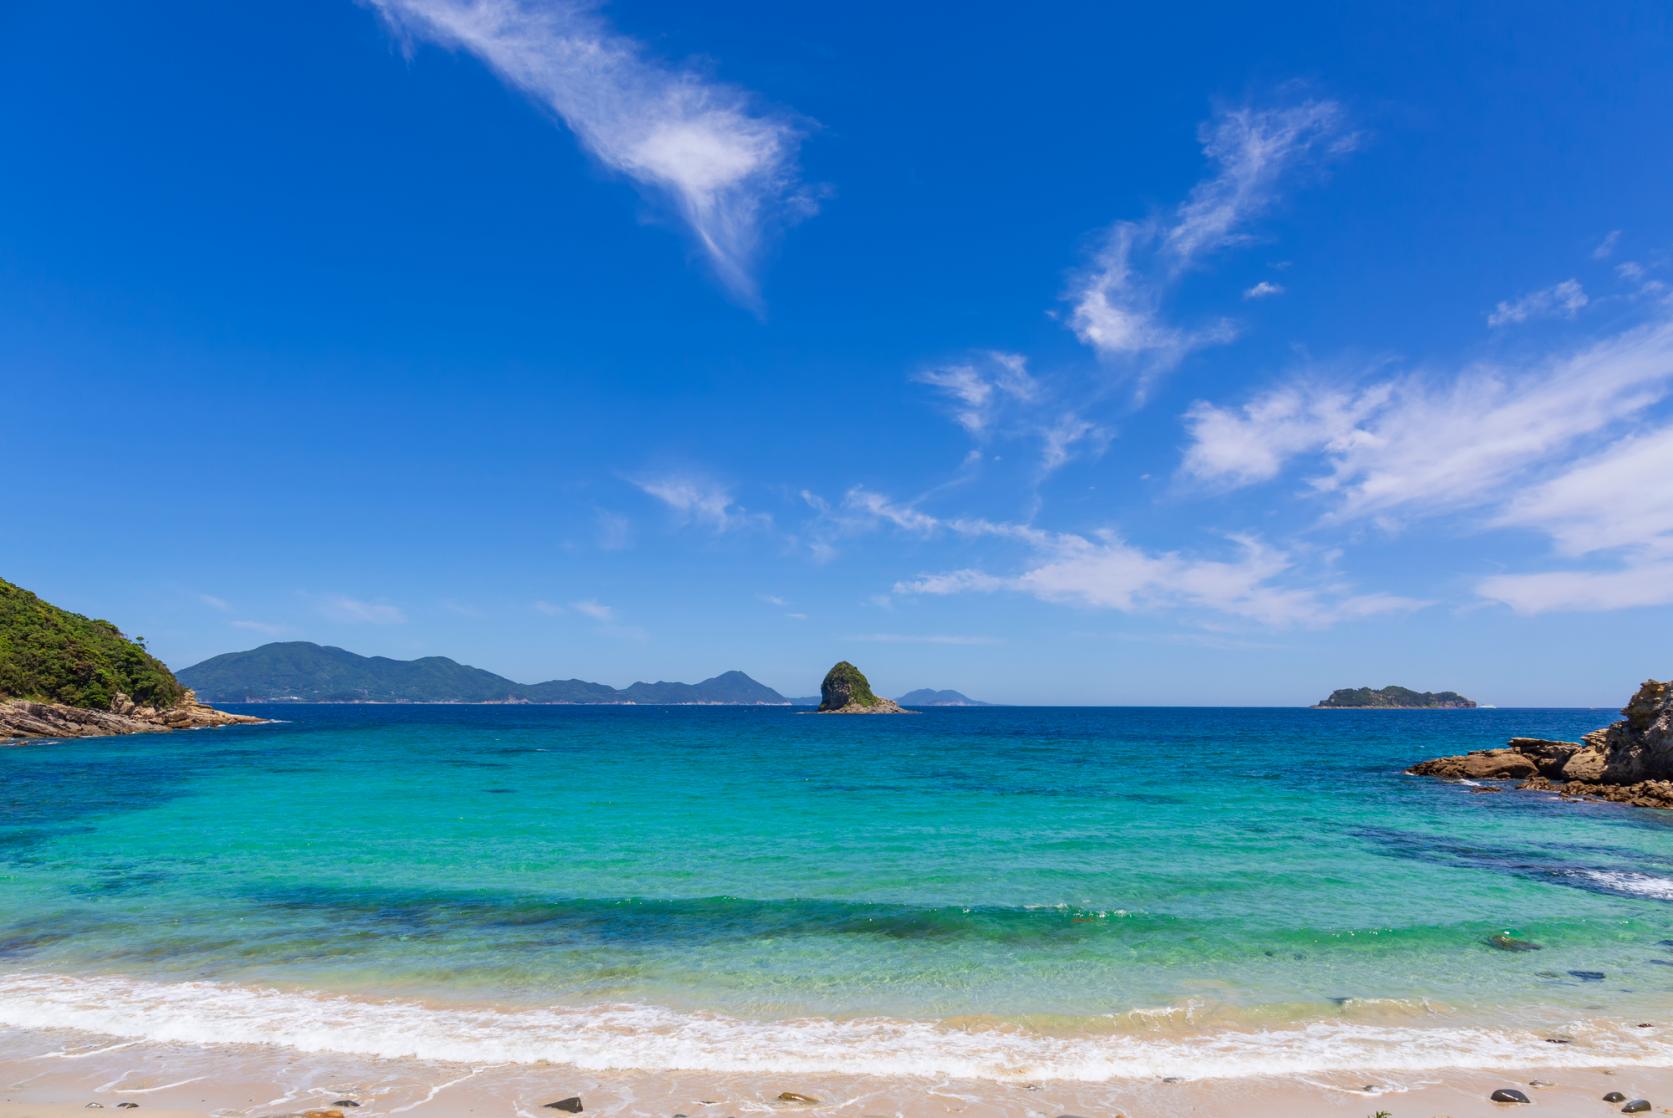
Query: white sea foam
[1638, 884]
[627, 1037]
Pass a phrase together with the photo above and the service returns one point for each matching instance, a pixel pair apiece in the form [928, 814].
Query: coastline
[57, 1074]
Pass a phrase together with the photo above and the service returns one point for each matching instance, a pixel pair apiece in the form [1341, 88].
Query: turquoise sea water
[1004, 889]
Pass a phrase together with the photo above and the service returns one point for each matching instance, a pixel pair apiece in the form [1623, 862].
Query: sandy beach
[54, 1074]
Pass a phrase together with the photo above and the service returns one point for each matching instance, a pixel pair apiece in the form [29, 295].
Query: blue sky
[1085, 356]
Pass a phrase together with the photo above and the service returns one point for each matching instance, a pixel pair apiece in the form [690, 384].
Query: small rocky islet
[1629, 761]
[847, 691]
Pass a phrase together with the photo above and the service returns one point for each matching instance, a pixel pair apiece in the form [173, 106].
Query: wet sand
[50, 1074]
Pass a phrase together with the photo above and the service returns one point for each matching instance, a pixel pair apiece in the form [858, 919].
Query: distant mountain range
[926, 697]
[304, 672]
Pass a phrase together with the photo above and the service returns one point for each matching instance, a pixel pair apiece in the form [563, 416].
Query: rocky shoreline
[1628, 762]
[25, 719]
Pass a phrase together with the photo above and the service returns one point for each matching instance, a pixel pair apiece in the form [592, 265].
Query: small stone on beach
[346, 1102]
[571, 1105]
[1509, 1094]
[793, 1096]
[1614, 1096]
[1636, 1106]
[127, 1106]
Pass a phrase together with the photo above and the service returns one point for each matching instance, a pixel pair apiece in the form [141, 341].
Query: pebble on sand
[793, 1096]
[571, 1105]
[1614, 1096]
[1636, 1106]
[1509, 1094]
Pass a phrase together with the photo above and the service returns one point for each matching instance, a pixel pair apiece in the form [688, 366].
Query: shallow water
[1066, 892]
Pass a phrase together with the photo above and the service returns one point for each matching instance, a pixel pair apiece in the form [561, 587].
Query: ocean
[1004, 893]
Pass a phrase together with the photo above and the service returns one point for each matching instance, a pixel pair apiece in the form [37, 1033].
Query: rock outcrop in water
[1630, 761]
[846, 691]
[26, 718]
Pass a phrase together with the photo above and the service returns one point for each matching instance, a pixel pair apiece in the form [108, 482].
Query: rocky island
[846, 691]
[1393, 698]
[63, 675]
[1629, 761]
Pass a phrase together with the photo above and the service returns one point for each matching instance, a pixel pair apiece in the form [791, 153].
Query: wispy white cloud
[1606, 247]
[1117, 303]
[703, 502]
[1265, 289]
[262, 627]
[547, 609]
[1561, 300]
[726, 165]
[1618, 498]
[1258, 583]
[1242, 445]
[976, 392]
[1419, 445]
[773, 600]
[1631, 587]
[1101, 570]
[925, 638]
[598, 611]
[615, 531]
[1613, 508]
[213, 602]
[993, 396]
[341, 607]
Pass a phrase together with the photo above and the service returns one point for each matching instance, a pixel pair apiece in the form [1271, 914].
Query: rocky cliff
[846, 691]
[63, 675]
[1630, 761]
[26, 718]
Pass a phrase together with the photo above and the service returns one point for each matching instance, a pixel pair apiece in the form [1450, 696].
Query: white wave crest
[1637, 884]
[634, 1037]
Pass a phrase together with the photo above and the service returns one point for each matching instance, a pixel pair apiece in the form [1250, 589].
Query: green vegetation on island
[304, 672]
[1393, 698]
[847, 691]
[51, 655]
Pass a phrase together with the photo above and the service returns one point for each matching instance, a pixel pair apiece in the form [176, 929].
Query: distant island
[847, 691]
[63, 675]
[928, 697]
[1393, 698]
[304, 672]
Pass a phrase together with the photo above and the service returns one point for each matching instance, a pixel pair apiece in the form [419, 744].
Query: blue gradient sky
[1086, 356]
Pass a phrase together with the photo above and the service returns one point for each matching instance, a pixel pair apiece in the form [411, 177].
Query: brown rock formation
[1630, 761]
[23, 718]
